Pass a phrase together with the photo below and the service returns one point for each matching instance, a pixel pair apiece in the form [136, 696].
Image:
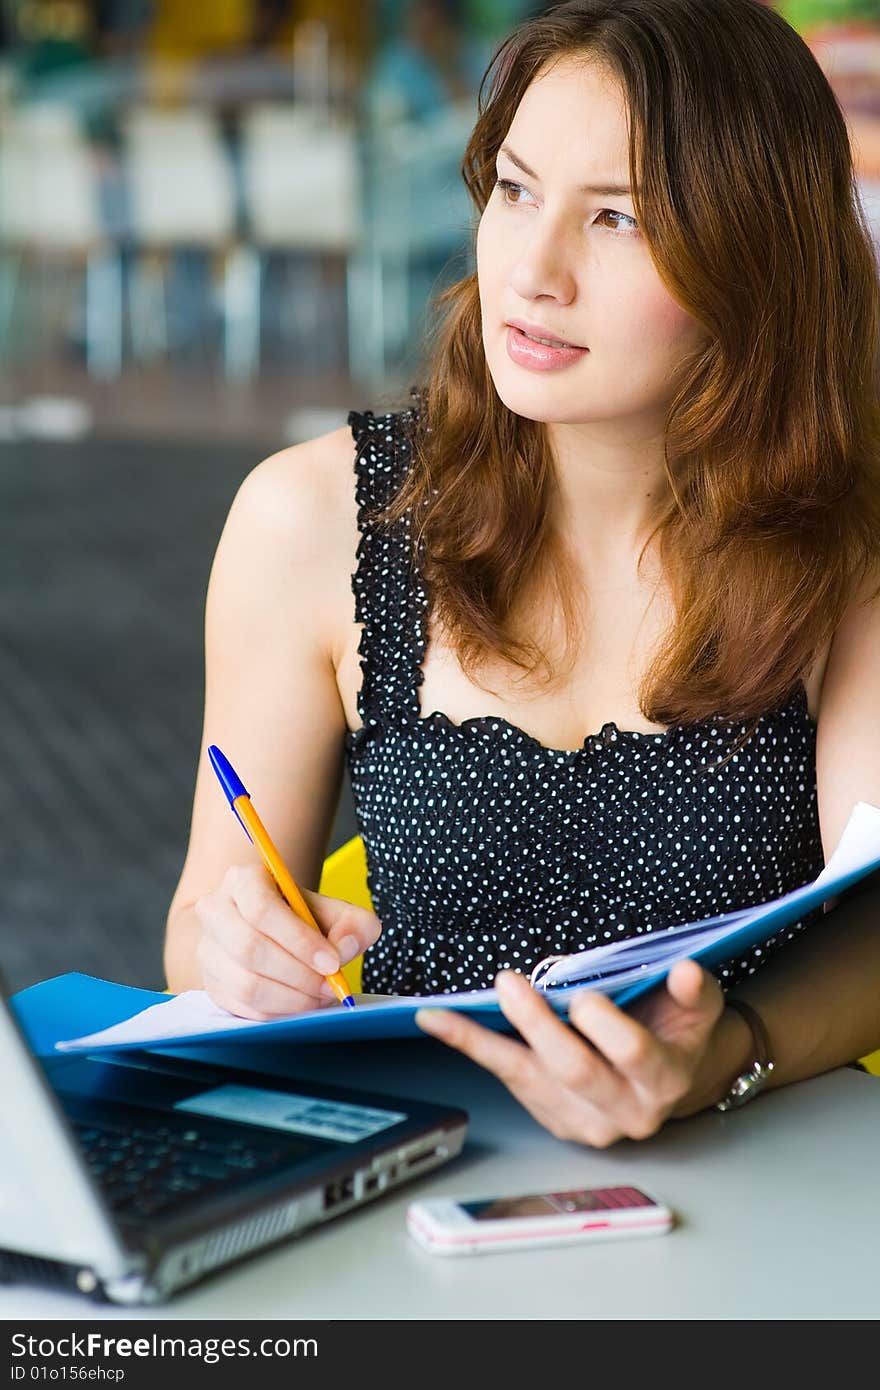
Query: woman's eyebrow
[605, 190]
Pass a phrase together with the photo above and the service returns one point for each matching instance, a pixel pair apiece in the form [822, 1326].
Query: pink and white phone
[447, 1227]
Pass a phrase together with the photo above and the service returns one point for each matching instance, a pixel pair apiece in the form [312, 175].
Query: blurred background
[221, 225]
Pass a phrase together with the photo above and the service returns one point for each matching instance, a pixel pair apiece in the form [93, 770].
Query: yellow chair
[872, 1063]
[345, 876]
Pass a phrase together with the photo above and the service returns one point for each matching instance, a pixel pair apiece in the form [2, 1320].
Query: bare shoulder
[858, 630]
[857, 636]
[305, 492]
[291, 538]
[848, 746]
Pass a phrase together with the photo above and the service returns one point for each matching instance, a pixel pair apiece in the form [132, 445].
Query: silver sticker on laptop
[323, 1119]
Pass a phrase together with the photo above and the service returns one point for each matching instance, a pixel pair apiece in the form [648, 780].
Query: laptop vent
[247, 1235]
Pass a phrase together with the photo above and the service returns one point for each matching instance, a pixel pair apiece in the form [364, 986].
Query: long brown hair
[745, 192]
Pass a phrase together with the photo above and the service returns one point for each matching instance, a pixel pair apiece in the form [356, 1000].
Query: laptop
[128, 1177]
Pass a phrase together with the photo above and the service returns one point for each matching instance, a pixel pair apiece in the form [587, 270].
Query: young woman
[612, 656]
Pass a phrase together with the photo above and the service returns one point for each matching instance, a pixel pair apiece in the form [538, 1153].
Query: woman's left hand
[610, 1075]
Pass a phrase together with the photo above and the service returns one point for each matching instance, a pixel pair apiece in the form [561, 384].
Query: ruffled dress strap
[390, 601]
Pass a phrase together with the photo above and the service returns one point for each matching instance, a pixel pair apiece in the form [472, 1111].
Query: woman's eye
[621, 231]
[508, 188]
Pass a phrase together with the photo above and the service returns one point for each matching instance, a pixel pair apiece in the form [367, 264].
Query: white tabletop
[778, 1215]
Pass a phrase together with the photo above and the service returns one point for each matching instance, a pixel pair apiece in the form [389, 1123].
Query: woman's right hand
[259, 960]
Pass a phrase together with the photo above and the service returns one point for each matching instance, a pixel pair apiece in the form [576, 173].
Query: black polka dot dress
[488, 850]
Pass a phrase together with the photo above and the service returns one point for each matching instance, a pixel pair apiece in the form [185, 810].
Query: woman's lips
[539, 357]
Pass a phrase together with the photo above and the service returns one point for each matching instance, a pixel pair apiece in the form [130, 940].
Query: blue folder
[75, 1005]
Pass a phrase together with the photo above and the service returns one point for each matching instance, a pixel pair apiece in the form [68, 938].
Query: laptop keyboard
[142, 1172]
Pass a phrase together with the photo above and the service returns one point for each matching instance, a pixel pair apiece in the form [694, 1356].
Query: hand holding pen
[268, 950]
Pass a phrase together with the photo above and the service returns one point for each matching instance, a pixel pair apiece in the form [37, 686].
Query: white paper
[858, 843]
[194, 1012]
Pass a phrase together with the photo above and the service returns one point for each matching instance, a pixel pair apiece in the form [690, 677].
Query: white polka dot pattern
[488, 850]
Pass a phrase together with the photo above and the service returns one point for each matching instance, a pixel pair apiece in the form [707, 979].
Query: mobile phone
[449, 1227]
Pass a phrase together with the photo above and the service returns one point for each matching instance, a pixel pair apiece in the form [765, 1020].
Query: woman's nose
[544, 268]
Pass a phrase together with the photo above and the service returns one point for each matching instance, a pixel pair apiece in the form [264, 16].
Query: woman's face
[573, 262]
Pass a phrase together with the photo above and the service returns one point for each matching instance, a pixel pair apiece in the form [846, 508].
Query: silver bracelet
[753, 1080]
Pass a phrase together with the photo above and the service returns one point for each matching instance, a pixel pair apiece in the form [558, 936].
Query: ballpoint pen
[239, 800]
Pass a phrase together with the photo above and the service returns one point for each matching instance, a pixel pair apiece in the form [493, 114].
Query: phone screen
[546, 1203]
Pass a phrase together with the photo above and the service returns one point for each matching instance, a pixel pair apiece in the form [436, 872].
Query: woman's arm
[279, 594]
[819, 999]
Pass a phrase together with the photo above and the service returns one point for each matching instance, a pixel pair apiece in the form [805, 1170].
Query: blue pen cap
[227, 775]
